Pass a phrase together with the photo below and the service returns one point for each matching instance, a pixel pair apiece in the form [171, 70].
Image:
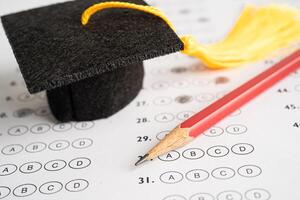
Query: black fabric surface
[97, 97]
[53, 49]
[92, 71]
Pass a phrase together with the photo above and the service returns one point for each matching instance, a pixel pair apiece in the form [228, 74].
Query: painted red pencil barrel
[218, 110]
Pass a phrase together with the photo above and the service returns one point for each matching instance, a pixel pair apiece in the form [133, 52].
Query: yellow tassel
[259, 32]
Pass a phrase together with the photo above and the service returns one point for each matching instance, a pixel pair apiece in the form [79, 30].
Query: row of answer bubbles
[199, 175]
[251, 194]
[52, 187]
[182, 84]
[57, 145]
[183, 115]
[52, 165]
[234, 129]
[216, 151]
[179, 84]
[184, 98]
[26, 97]
[180, 69]
[25, 112]
[168, 117]
[41, 128]
[204, 97]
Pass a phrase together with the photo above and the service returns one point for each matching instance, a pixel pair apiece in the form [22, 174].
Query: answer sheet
[253, 154]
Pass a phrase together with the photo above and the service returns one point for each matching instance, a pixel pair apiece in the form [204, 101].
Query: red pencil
[203, 120]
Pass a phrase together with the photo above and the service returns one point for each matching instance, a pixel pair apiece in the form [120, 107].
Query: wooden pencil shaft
[218, 110]
[212, 114]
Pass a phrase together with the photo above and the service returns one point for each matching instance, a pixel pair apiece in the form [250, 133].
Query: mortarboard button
[91, 71]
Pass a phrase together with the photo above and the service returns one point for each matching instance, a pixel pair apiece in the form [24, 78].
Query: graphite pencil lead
[141, 160]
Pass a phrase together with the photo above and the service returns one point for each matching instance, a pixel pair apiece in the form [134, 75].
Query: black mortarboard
[91, 71]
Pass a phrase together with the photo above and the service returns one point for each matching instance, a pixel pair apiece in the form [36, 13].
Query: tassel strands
[259, 32]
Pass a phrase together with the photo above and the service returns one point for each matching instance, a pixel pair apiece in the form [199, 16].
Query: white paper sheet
[253, 154]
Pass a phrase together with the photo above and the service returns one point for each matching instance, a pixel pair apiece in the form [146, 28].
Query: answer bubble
[229, 195]
[160, 85]
[82, 143]
[161, 101]
[13, 83]
[55, 165]
[23, 112]
[164, 117]
[202, 196]
[236, 129]
[77, 185]
[205, 97]
[249, 171]
[4, 192]
[201, 82]
[79, 163]
[30, 167]
[42, 95]
[24, 190]
[214, 132]
[197, 175]
[257, 194]
[18, 130]
[223, 173]
[62, 127]
[193, 153]
[179, 70]
[7, 169]
[184, 11]
[182, 99]
[40, 128]
[42, 111]
[217, 151]
[174, 197]
[242, 148]
[170, 156]
[51, 187]
[26, 97]
[221, 80]
[84, 125]
[171, 177]
[162, 135]
[184, 115]
[35, 147]
[158, 71]
[196, 68]
[59, 145]
[180, 84]
[12, 149]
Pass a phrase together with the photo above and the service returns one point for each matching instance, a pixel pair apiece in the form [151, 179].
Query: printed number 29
[143, 138]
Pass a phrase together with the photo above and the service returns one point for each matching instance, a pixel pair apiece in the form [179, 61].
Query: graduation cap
[91, 71]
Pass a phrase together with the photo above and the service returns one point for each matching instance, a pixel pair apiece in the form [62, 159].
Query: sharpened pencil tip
[141, 160]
